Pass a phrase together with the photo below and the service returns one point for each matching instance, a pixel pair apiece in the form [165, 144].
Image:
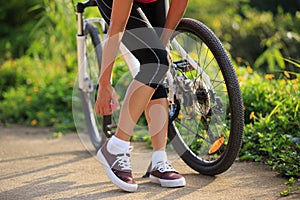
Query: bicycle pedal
[146, 175]
[148, 172]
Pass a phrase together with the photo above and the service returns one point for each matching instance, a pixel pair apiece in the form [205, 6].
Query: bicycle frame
[84, 80]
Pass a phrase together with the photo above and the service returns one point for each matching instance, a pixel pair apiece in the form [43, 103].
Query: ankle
[120, 134]
[117, 146]
[158, 156]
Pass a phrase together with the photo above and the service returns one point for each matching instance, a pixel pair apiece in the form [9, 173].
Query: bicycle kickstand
[147, 174]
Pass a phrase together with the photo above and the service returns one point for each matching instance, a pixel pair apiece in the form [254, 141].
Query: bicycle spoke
[189, 129]
[205, 67]
[199, 52]
[209, 128]
[204, 119]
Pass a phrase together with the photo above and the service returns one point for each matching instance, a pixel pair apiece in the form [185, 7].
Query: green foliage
[261, 37]
[272, 5]
[292, 187]
[57, 134]
[36, 89]
[281, 40]
[55, 34]
[272, 122]
[17, 19]
[41, 94]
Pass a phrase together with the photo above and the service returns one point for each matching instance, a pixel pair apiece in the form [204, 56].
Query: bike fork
[83, 78]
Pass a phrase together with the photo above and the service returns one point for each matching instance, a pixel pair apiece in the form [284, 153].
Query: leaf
[278, 57]
[274, 111]
[292, 62]
[261, 59]
[37, 26]
[271, 61]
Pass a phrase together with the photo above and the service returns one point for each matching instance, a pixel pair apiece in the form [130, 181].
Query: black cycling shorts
[143, 41]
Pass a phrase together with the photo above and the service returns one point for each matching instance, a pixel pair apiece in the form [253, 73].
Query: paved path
[33, 165]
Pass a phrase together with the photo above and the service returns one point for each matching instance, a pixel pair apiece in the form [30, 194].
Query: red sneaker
[164, 174]
[118, 168]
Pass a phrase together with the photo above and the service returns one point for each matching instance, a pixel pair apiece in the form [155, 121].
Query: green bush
[17, 19]
[40, 95]
[272, 5]
[260, 37]
[36, 89]
[272, 122]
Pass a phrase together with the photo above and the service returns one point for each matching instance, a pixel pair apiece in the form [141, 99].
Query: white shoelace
[123, 160]
[164, 167]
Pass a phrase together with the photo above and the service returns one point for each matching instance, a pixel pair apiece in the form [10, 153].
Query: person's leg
[145, 44]
[114, 154]
[157, 118]
[158, 106]
[157, 114]
[136, 99]
[141, 39]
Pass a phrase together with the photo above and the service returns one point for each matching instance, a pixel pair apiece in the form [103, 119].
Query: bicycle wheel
[93, 122]
[206, 118]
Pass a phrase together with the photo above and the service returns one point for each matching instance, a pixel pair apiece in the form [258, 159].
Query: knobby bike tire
[227, 158]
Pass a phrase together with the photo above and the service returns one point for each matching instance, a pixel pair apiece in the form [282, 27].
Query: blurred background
[38, 68]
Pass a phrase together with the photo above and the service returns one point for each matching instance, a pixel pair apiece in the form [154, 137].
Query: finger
[107, 110]
[102, 107]
[105, 107]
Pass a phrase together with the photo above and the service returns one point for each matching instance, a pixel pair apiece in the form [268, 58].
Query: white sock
[158, 156]
[117, 146]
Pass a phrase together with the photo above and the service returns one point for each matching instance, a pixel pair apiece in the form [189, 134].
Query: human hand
[107, 100]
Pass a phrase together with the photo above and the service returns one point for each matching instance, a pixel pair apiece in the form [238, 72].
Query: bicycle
[206, 107]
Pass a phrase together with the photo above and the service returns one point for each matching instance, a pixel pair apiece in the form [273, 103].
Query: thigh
[141, 38]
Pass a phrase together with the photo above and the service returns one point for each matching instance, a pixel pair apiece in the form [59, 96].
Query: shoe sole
[168, 183]
[116, 180]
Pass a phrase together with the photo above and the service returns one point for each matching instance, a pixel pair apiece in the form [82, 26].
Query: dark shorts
[143, 41]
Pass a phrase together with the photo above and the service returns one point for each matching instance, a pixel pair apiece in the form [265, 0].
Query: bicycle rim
[204, 132]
